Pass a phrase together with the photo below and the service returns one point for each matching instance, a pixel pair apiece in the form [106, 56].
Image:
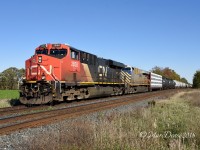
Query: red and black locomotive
[59, 72]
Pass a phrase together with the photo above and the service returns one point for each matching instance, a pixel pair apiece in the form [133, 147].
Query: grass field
[9, 94]
[8, 97]
[170, 124]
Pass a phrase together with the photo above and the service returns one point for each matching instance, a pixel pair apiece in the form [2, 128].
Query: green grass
[9, 94]
[9, 98]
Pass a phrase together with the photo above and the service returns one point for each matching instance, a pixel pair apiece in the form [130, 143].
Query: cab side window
[74, 55]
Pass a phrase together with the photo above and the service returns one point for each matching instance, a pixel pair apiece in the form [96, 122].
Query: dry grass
[4, 103]
[143, 128]
[192, 97]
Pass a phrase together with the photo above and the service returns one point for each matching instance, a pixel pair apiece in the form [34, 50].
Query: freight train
[59, 72]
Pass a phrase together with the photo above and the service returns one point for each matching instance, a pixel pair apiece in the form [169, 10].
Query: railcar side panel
[155, 81]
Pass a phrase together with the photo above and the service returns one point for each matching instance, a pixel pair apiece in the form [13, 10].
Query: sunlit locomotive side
[60, 72]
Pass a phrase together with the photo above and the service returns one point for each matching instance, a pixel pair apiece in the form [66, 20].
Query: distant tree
[157, 70]
[168, 73]
[196, 79]
[2, 81]
[10, 77]
[184, 80]
[175, 76]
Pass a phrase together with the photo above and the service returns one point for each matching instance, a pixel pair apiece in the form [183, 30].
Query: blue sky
[141, 33]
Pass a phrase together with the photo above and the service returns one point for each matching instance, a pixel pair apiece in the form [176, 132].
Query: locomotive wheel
[80, 97]
[87, 94]
[84, 94]
[118, 91]
[71, 97]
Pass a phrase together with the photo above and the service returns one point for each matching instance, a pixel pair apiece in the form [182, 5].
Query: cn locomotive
[59, 72]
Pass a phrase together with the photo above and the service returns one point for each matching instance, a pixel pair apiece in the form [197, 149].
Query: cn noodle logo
[74, 64]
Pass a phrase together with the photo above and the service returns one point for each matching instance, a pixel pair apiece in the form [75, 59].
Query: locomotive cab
[128, 70]
[55, 62]
[51, 65]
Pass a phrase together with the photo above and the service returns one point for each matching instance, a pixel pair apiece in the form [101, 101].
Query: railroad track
[11, 124]
[22, 109]
[5, 109]
[18, 109]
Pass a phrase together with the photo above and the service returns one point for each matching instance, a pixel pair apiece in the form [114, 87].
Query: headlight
[39, 59]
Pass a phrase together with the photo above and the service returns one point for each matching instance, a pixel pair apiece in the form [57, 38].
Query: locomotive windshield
[44, 51]
[59, 53]
[128, 70]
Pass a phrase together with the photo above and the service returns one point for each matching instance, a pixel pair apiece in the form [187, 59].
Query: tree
[196, 79]
[2, 81]
[184, 80]
[157, 70]
[10, 77]
[167, 73]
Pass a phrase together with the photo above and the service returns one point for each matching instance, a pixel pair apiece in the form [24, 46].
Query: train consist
[59, 72]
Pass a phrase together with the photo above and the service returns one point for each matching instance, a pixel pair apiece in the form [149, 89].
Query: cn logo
[74, 64]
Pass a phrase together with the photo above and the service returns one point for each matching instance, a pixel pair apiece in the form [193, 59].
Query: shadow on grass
[14, 102]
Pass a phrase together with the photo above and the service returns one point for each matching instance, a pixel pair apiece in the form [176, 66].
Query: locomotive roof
[71, 47]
